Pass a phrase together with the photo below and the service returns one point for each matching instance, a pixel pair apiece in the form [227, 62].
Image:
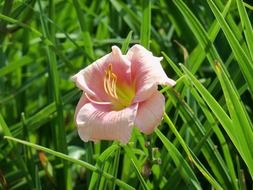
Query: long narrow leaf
[75, 161]
[248, 31]
[146, 23]
[244, 61]
[186, 171]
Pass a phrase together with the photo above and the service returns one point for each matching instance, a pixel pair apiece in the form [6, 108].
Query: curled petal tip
[116, 50]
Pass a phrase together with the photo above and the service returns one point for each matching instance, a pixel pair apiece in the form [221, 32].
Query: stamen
[109, 87]
[105, 82]
[110, 81]
[114, 87]
[110, 68]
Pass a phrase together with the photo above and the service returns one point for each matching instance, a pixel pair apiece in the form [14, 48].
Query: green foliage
[206, 137]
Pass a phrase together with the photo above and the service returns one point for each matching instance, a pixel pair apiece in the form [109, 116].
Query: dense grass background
[206, 138]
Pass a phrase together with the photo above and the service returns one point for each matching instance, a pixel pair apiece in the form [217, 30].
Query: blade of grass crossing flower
[73, 160]
[126, 42]
[146, 23]
[185, 170]
[243, 60]
[248, 31]
[141, 179]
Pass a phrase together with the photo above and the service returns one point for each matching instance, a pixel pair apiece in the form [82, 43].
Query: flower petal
[91, 78]
[147, 72]
[150, 113]
[99, 122]
[83, 100]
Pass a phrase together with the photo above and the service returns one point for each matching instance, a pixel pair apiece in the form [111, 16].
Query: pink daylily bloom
[120, 92]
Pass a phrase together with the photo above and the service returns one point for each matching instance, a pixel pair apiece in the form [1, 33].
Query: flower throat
[120, 94]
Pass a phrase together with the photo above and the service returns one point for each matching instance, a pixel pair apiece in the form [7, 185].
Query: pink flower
[119, 92]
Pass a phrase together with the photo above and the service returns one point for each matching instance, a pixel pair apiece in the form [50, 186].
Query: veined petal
[99, 122]
[147, 72]
[91, 78]
[150, 113]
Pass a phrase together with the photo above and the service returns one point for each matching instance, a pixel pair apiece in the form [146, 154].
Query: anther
[110, 80]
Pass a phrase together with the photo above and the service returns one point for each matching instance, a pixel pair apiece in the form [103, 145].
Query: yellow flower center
[121, 95]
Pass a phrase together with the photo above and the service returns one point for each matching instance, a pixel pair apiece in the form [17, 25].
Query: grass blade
[244, 61]
[101, 160]
[73, 160]
[143, 183]
[21, 162]
[242, 124]
[59, 133]
[221, 115]
[248, 31]
[186, 171]
[126, 42]
[84, 28]
[146, 23]
[189, 154]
